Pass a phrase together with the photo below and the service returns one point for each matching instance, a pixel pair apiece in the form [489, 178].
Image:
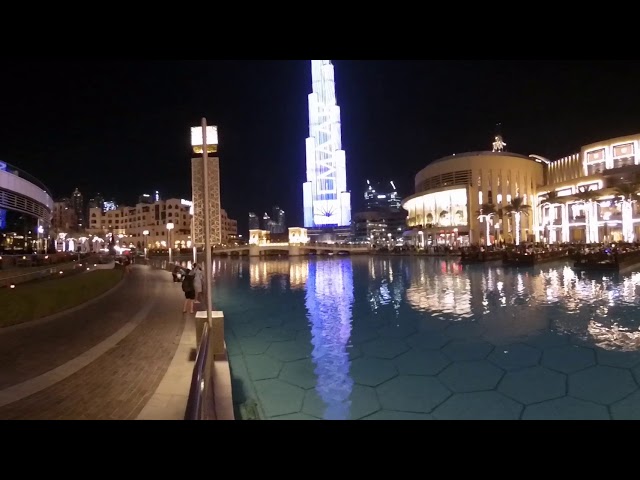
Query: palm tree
[487, 210]
[516, 209]
[552, 199]
[587, 198]
[627, 193]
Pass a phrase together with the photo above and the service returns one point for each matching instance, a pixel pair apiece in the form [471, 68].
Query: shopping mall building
[585, 197]
[25, 211]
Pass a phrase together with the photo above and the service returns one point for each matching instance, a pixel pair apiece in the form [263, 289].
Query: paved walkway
[102, 361]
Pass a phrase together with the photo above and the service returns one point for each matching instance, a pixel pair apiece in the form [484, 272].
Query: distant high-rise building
[278, 221]
[327, 203]
[266, 222]
[97, 201]
[63, 216]
[377, 197]
[146, 198]
[77, 203]
[254, 221]
[383, 221]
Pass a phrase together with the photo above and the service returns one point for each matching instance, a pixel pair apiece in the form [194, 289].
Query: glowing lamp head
[12, 286]
[146, 232]
[170, 226]
[197, 141]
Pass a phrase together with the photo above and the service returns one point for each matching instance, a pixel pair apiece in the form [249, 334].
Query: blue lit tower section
[3, 213]
[329, 302]
[327, 203]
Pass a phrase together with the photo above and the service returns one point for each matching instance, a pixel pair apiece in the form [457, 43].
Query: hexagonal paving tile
[385, 348]
[263, 367]
[515, 356]
[299, 373]
[431, 324]
[392, 415]
[568, 358]
[461, 350]
[602, 384]
[253, 345]
[402, 330]
[627, 408]
[617, 358]
[290, 351]
[464, 330]
[295, 416]
[372, 371]
[478, 406]
[421, 362]
[232, 344]
[471, 376]
[547, 339]
[277, 334]
[429, 340]
[363, 334]
[353, 403]
[354, 351]
[533, 384]
[304, 336]
[412, 394]
[565, 408]
[246, 329]
[278, 397]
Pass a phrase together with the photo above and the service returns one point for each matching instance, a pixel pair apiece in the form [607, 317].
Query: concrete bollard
[216, 333]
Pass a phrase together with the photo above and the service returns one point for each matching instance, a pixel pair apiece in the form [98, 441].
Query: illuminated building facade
[588, 197]
[327, 203]
[450, 192]
[610, 171]
[128, 224]
[26, 205]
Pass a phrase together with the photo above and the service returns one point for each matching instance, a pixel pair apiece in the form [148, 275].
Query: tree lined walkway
[102, 361]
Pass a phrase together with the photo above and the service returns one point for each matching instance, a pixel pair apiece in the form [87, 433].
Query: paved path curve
[103, 361]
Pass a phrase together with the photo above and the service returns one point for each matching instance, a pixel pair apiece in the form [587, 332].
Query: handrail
[201, 403]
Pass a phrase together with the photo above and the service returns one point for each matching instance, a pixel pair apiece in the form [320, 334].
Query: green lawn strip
[17, 271]
[30, 301]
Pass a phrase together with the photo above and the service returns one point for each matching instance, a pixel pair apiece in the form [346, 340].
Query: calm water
[425, 338]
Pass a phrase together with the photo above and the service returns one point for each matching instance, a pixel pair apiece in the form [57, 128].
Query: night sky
[122, 127]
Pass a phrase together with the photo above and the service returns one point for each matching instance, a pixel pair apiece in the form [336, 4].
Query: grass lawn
[15, 271]
[30, 301]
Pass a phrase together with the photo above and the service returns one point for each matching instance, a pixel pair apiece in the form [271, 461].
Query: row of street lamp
[170, 226]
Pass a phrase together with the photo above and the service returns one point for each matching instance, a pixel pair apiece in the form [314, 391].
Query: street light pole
[169, 228]
[207, 226]
[145, 234]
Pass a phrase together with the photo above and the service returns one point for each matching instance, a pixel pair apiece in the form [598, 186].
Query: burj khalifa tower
[327, 203]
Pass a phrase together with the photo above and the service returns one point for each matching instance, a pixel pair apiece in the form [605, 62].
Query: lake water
[425, 338]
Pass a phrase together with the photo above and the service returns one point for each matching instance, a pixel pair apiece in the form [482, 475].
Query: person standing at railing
[188, 287]
[198, 282]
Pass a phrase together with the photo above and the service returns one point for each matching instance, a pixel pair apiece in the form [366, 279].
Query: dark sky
[122, 127]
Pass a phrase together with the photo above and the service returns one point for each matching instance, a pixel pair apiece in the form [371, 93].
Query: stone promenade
[101, 361]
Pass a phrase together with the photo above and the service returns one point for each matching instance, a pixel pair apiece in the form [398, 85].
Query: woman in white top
[198, 282]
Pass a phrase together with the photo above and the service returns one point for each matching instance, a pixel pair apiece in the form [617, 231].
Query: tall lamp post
[169, 228]
[145, 234]
[204, 139]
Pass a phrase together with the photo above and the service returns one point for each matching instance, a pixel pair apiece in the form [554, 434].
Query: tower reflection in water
[274, 273]
[329, 300]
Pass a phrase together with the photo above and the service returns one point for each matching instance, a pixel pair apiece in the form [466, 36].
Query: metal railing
[201, 402]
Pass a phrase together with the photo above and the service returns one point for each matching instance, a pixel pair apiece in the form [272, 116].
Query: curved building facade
[445, 210]
[25, 211]
[591, 196]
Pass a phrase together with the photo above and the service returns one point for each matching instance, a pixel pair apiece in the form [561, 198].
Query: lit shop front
[441, 218]
[592, 196]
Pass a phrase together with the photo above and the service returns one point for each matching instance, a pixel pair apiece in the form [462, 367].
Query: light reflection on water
[342, 303]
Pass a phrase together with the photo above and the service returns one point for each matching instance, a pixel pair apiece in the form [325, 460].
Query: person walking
[188, 287]
[198, 282]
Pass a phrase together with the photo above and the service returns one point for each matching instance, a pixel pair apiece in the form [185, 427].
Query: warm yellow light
[197, 141]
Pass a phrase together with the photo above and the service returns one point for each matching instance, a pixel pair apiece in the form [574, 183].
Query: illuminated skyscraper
[327, 203]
